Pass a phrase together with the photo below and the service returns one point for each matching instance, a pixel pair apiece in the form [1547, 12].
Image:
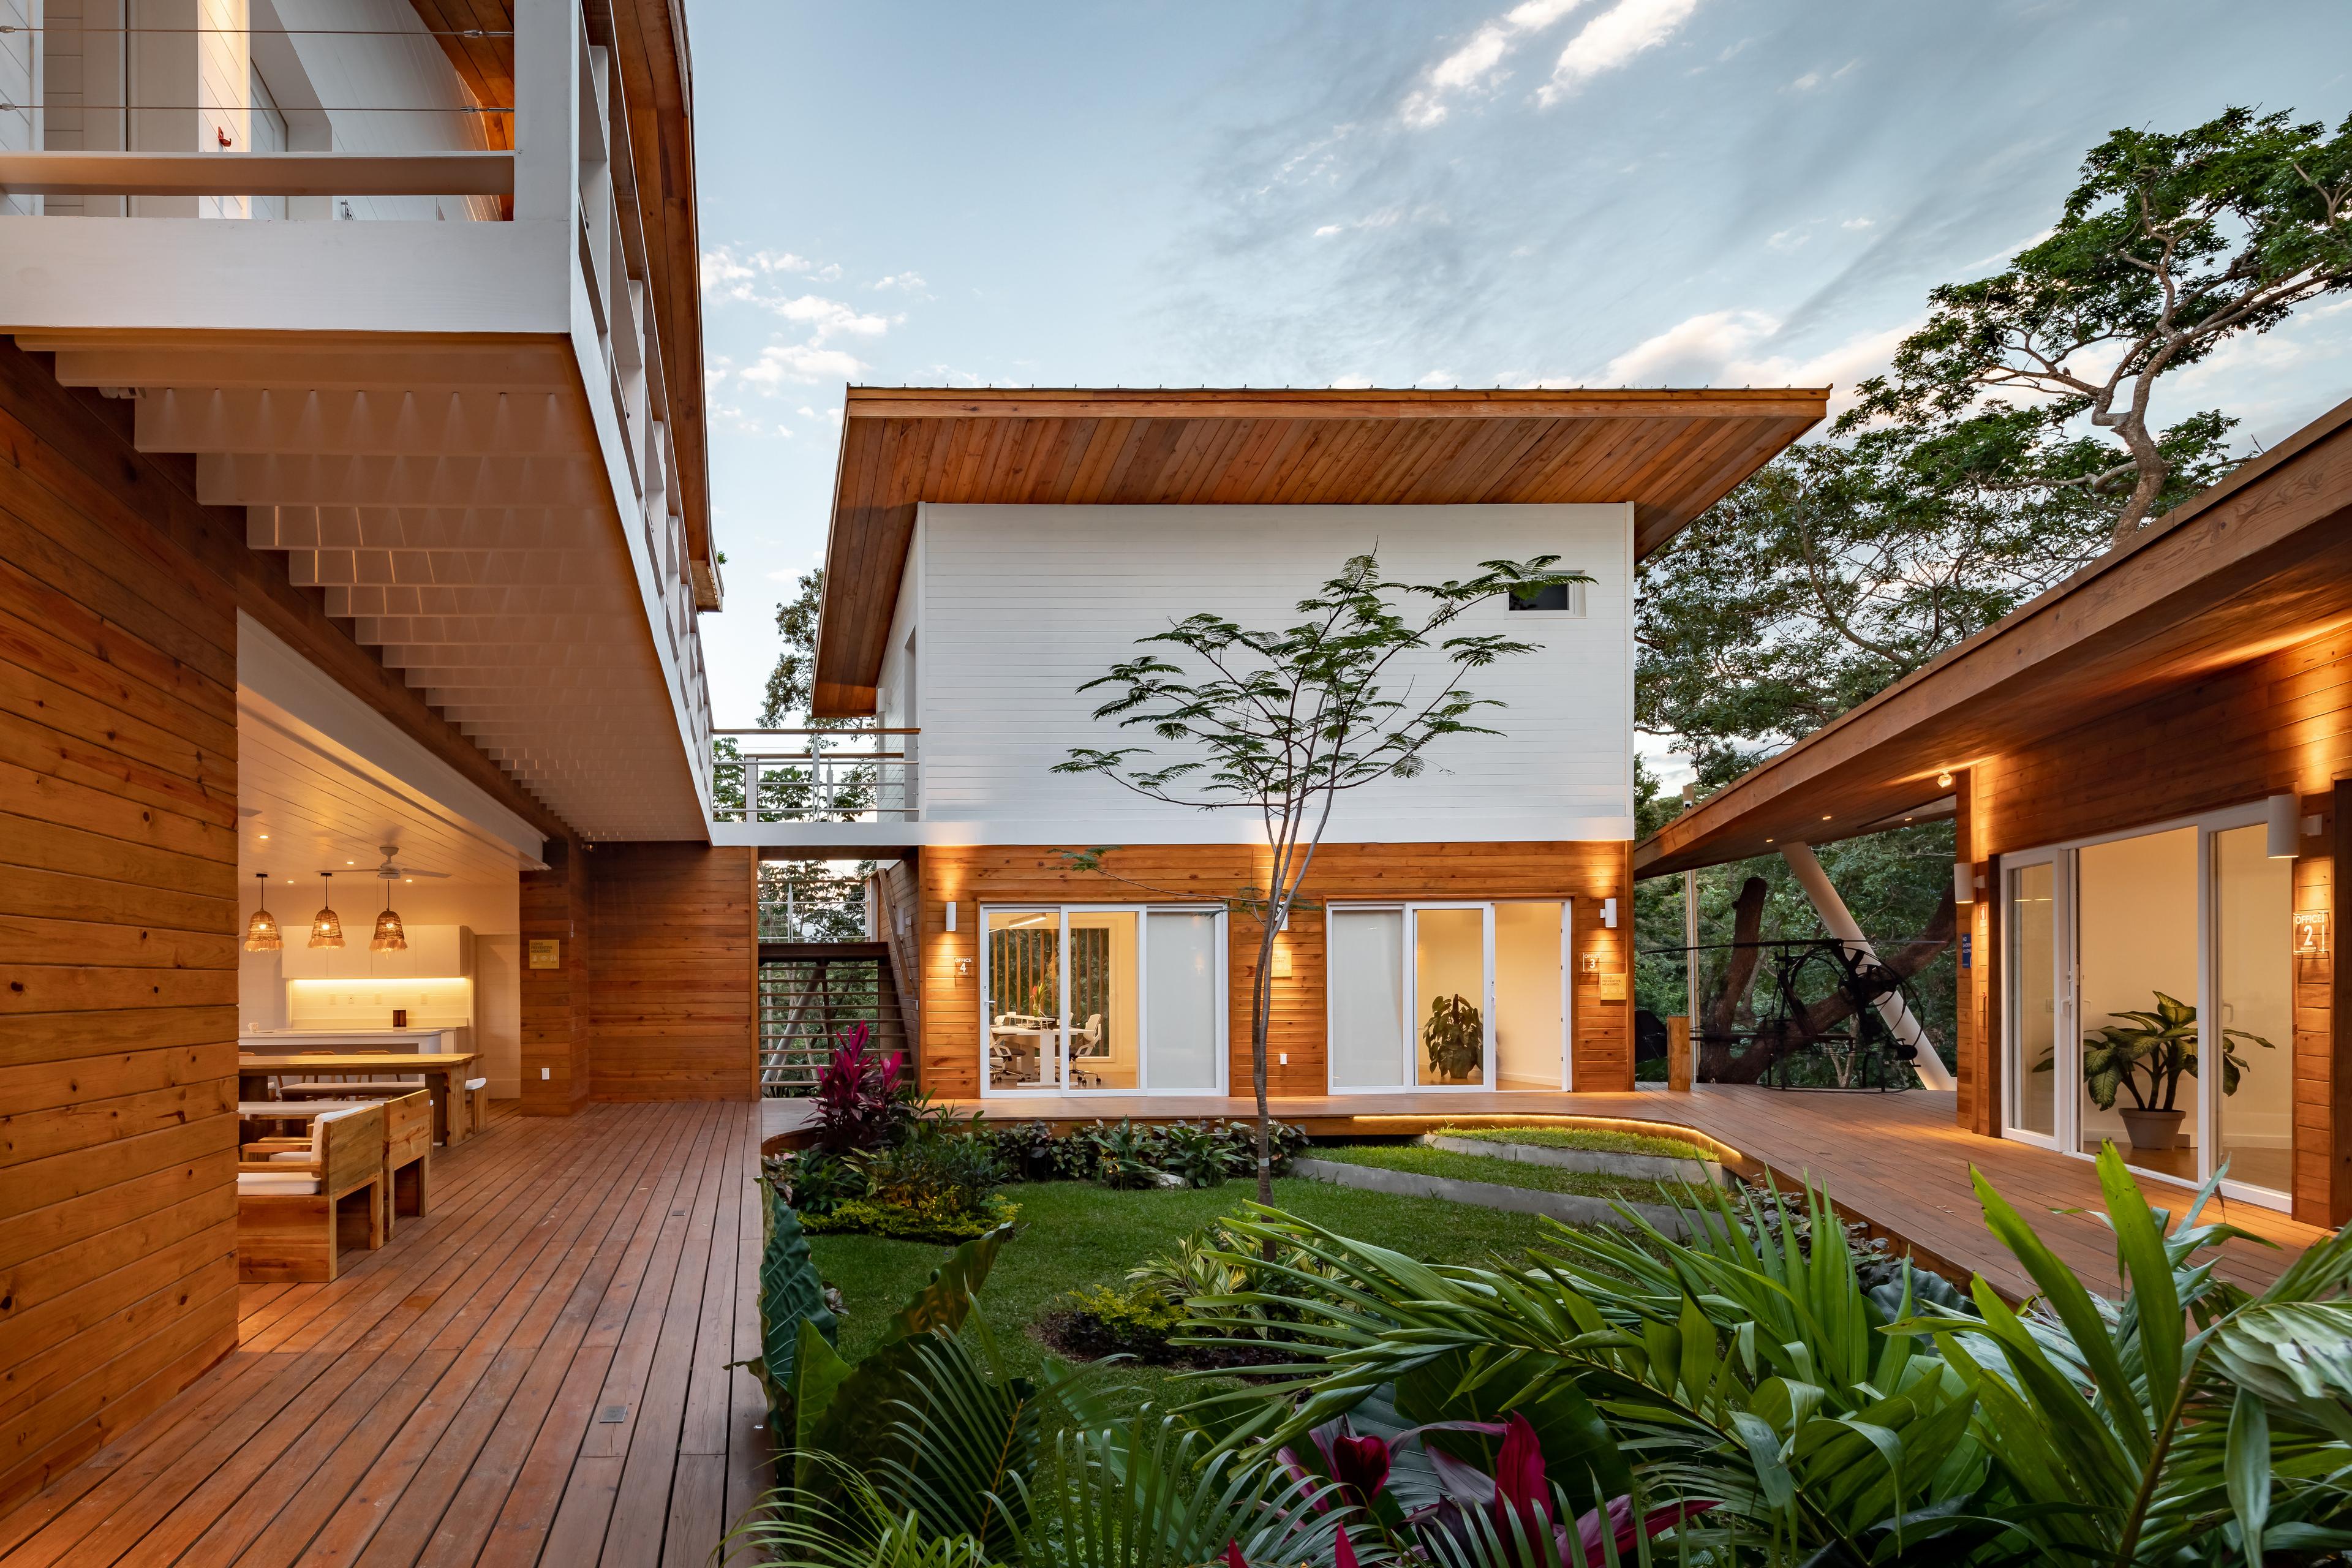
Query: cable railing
[815, 775]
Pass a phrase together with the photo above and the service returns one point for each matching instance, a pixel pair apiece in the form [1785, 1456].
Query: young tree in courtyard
[1285, 722]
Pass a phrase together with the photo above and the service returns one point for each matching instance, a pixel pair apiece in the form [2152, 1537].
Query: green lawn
[1595, 1140]
[1423, 1160]
[1075, 1233]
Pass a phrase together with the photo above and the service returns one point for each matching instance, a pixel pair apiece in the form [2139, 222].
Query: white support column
[547, 114]
[1690, 947]
[1840, 922]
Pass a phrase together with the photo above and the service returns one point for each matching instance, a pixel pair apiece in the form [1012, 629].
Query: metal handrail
[818, 782]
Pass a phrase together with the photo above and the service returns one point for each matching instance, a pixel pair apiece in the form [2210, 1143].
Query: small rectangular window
[1560, 598]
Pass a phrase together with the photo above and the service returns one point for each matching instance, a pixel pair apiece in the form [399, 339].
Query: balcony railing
[815, 775]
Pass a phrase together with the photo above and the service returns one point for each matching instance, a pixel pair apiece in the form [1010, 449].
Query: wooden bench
[300, 1201]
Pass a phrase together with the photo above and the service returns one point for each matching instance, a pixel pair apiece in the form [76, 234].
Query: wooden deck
[535, 1372]
[1899, 1161]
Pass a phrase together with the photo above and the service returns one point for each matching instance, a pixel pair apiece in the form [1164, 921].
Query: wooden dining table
[445, 1074]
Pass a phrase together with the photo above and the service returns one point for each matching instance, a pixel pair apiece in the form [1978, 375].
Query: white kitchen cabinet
[434, 952]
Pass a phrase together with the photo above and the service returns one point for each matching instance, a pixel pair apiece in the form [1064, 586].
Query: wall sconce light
[2311, 933]
[1964, 882]
[2282, 829]
[261, 932]
[1609, 913]
[1943, 779]
[326, 928]
[952, 914]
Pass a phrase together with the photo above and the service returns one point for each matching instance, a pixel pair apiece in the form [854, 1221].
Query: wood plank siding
[119, 933]
[675, 975]
[949, 1058]
[2239, 735]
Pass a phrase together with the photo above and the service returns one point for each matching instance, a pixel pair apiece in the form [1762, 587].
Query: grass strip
[1595, 1140]
[1422, 1161]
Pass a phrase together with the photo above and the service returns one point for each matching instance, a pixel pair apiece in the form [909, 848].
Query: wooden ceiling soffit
[1671, 454]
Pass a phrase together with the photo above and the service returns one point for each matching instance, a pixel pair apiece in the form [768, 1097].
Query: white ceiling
[304, 806]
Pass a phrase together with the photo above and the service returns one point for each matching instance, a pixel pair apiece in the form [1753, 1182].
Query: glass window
[1025, 998]
[1530, 1010]
[1105, 1039]
[2032, 1061]
[2247, 1053]
[1181, 997]
[1449, 969]
[1366, 961]
[2136, 949]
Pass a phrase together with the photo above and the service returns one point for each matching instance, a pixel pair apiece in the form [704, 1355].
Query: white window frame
[1410, 1042]
[1060, 1086]
[2066, 884]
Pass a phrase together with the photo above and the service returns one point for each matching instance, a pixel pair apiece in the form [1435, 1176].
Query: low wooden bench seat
[357, 1089]
[407, 1155]
[298, 1206]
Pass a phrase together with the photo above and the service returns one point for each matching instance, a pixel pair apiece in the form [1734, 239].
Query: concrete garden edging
[1574, 1208]
[1698, 1169]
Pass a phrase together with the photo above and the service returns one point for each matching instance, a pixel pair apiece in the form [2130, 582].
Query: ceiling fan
[391, 872]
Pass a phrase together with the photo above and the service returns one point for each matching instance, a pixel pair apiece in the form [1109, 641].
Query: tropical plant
[1201, 1154]
[1283, 721]
[1454, 1036]
[813, 1181]
[2162, 1044]
[864, 1099]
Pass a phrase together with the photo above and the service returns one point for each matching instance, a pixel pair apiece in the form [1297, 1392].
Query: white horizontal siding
[1019, 605]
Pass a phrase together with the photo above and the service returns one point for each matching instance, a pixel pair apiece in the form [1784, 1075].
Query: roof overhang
[2261, 561]
[1671, 454]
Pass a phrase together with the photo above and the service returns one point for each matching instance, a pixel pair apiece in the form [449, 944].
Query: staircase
[810, 993]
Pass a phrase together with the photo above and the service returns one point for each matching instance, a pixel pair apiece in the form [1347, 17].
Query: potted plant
[1455, 1038]
[2159, 1048]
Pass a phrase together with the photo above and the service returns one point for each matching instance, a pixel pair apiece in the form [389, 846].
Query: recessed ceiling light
[354, 862]
[264, 839]
[1825, 817]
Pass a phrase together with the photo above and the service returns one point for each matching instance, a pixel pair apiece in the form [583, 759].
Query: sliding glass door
[1087, 999]
[1447, 996]
[2149, 1001]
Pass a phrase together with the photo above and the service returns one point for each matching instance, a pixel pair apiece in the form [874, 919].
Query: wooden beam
[1327, 403]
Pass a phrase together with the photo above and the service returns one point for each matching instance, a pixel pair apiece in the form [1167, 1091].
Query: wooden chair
[477, 1105]
[407, 1156]
[297, 1207]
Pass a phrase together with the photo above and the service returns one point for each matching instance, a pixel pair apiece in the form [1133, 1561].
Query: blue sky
[1580, 192]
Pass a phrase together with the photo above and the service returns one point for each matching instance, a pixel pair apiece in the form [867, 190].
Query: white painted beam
[1841, 926]
[102, 174]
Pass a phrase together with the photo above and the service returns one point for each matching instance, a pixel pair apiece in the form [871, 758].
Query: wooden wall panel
[556, 907]
[2234, 736]
[674, 978]
[119, 933]
[948, 1057]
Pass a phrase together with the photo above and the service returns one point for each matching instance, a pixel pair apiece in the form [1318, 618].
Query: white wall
[1020, 604]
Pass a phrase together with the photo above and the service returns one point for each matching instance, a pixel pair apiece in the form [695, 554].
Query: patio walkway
[1896, 1161]
[534, 1373]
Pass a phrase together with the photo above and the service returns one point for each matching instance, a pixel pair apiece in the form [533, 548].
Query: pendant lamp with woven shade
[326, 926]
[261, 932]
[389, 936]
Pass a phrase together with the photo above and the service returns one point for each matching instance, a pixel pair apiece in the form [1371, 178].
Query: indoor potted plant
[2156, 1048]
[1455, 1038]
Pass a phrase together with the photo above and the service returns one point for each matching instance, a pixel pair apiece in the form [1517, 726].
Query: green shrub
[913, 1222]
[814, 1182]
[1135, 1323]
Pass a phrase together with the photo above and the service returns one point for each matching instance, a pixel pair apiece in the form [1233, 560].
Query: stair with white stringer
[811, 994]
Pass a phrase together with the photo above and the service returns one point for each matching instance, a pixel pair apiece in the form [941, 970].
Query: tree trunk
[1723, 1008]
[1261, 996]
[1838, 1006]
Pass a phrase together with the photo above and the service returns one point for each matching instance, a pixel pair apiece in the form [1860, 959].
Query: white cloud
[1344, 381]
[1474, 67]
[806, 412]
[1734, 348]
[1859, 223]
[1437, 378]
[1612, 38]
[1788, 238]
[1807, 83]
[804, 362]
[1328, 230]
[828, 318]
[905, 282]
[786, 431]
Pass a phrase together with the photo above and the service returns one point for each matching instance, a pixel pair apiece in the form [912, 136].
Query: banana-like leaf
[790, 1294]
[818, 1372]
[943, 1300]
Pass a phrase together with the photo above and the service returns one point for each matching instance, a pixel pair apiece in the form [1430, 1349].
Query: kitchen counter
[424, 1039]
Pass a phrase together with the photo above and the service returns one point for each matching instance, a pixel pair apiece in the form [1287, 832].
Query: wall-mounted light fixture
[1964, 882]
[1943, 779]
[2283, 835]
[1609, 913]
[326, 926]
[952, 914]
[261, 932]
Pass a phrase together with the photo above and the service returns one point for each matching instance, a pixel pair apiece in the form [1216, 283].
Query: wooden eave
[2261, 561]
[1671, 453]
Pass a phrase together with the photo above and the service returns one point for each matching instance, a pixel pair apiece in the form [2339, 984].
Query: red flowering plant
[1447, 1509]
[864, 1099]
